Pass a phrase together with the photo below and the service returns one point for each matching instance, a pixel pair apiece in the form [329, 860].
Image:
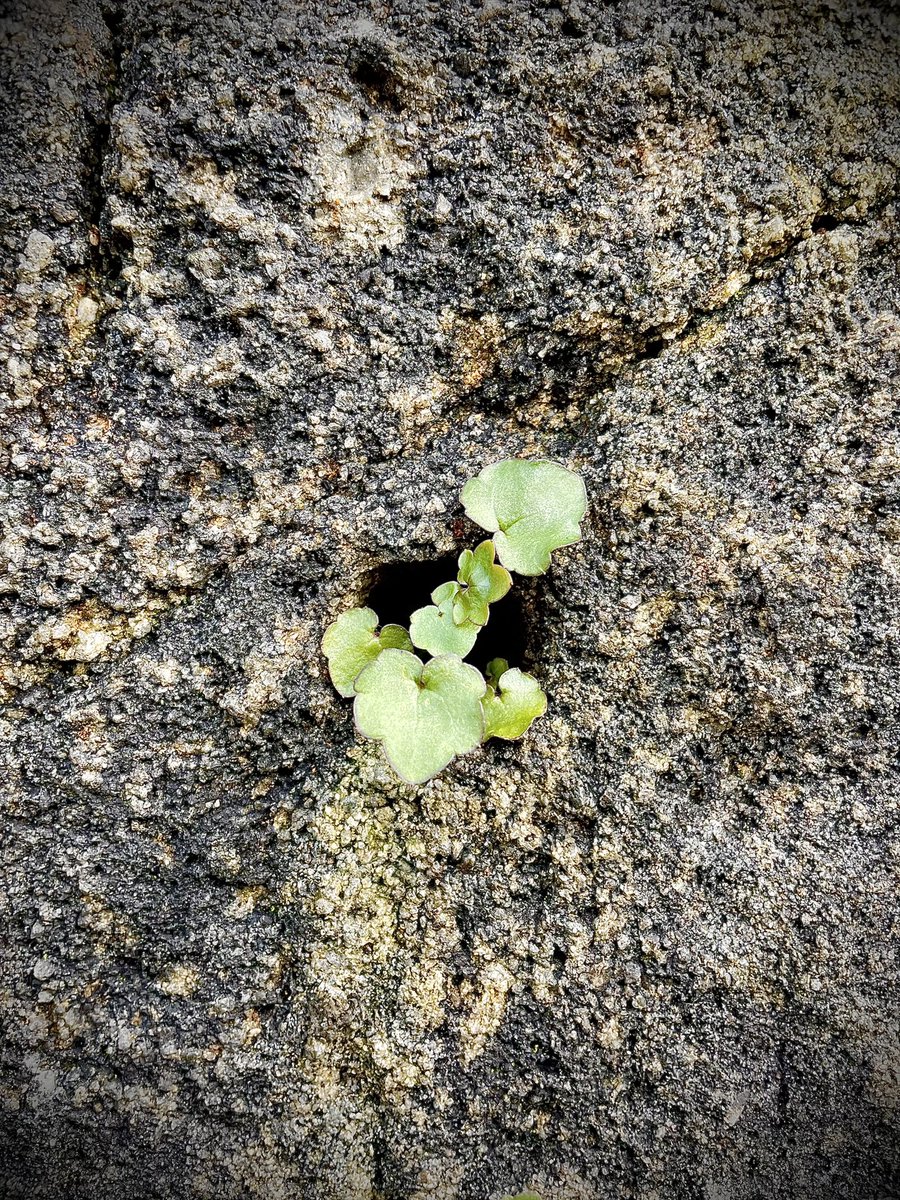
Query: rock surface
[278, 278]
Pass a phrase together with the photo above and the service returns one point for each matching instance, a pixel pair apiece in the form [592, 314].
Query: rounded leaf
[531, 507]
[517, 701]
[478, 569]
[447, 592]
[434, 629]
[423, 714]
[394, 637]
[350, 644]
[483, 582]
[495, 668]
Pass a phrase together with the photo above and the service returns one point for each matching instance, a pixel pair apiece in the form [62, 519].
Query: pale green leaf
[531, 507]
[423, 714]
[512, 703]
[433, 629]
[394, 637]
[350, 643]
[483, 582]
[447, 591]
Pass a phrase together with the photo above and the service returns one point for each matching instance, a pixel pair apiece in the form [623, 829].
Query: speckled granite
[277, 279]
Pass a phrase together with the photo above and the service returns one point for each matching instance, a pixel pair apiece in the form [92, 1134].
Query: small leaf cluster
[425, 713]
[460, 609]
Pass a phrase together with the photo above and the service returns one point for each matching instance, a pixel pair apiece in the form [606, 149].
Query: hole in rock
[504, 634]
[824, 223]
[378, 80]
[398, 589]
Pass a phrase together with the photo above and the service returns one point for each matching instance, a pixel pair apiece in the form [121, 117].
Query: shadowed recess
[398, 589]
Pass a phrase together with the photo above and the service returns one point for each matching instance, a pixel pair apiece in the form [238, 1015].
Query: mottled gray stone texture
[277, 279]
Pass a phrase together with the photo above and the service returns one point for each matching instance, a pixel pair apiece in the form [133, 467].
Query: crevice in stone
[505, 635]
[825, 222]
[105, 258]
[377, 81]
[663, 337]
[582, 367]
[397, 589]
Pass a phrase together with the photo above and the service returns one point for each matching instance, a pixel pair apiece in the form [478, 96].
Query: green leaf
[482, 583]
[531, 508]
[350, 644]
[446, 592]
[394, 637]
[466, 599]
[495, 668]
[433, 629]
[423, 714]
[513, 700]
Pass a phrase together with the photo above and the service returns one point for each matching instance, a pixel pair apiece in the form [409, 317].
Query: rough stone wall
[277, 279]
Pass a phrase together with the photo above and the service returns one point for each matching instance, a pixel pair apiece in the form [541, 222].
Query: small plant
[513, 700]
[426, 713]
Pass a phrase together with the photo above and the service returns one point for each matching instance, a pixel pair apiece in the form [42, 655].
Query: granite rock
[277, 279]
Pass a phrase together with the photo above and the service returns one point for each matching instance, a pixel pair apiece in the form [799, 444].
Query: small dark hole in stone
[377, 80]
[824, 223]
[398, 589]
[504, 634]
[652, 349]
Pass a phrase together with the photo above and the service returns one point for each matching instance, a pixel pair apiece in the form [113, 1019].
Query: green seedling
[451, 624]
[512, 701]
[427, 713]
[531, 508]
[480, 583]
[433, 629]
